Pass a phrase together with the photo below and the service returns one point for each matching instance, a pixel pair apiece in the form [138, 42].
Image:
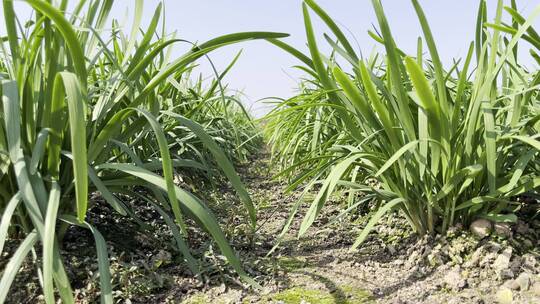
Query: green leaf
[194, 206]
[374, 220]
[67, 90]
[6, 219]
[334, 27]
[490, 137]
[102, 256]
[70, 37]
[501, 218]
[222, 161]
[291, 50]
[325, 191]
[48, 241]
[396, 156]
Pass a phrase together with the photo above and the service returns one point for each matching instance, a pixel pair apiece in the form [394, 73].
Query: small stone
[511, 284]
[221, 289]
[524, 280]
[535, 288]
[515, 264]
[503, 229]
[506, 274]
[494, 247]
[504, 296]
[454, 280]
[481, 228]
[529, 262]
[502, 264]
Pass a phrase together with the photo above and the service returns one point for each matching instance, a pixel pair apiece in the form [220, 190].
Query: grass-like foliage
[88, 110]
[445, 145]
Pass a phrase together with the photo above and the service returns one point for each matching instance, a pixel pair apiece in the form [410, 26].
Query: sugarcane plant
[80, 105]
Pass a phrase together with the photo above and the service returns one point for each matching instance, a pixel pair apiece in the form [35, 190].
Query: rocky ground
[392, 266]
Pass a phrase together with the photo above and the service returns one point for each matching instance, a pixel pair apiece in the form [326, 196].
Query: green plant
[80, 109]
[221, 114]
[317, 128]
[445, 146]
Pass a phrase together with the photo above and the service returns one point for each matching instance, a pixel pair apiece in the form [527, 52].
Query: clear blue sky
[264, 71]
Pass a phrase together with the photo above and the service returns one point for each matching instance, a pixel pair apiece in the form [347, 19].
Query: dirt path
[313, 269]
[392, 267]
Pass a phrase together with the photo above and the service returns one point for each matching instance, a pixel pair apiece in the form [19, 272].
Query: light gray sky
[264, 70]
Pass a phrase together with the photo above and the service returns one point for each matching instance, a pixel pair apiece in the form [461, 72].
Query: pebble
[505, 296]
[529, 262]
[535, 288]
[512, 284]
[502, 264]
[503, 229]
[481, 228]
[524, 281]
[515, 264]
[494, 247]
[506, 274]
